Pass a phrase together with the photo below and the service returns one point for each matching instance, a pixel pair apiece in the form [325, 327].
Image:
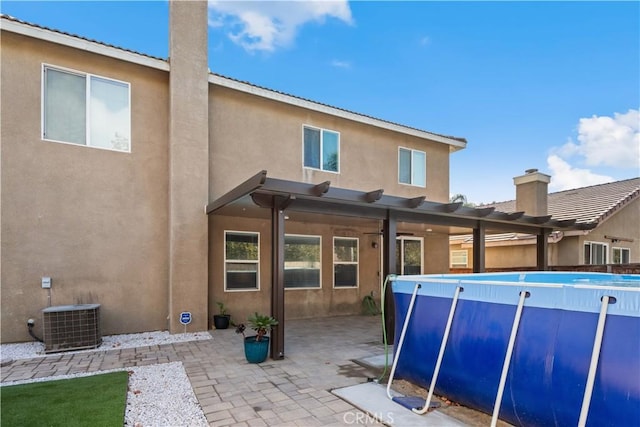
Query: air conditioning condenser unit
[71, 327]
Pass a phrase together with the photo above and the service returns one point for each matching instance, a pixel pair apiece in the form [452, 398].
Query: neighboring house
[140, 184]
[614, 209]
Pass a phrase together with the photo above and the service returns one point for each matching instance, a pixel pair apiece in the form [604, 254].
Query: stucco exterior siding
[323, 301]
[259, 134]
[93, 220]
[299, 303]
[622, 224]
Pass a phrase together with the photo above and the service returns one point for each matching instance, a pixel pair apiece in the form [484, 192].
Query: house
[156, 188]
[613, 209]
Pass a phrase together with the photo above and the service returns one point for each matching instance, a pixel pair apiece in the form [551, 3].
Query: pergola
[260, 194]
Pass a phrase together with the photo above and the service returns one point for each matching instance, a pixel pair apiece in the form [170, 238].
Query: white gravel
[33, 349]
[159, 395]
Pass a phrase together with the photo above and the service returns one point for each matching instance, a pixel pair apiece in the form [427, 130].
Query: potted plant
[221, 320]
[256, 347]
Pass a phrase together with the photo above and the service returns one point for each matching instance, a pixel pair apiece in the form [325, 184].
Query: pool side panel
[551, 357]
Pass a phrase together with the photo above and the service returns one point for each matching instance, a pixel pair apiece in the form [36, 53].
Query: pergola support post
[478, 248]
[277, 276]
[542, 250]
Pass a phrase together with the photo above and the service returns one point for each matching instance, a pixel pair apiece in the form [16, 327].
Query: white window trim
[321, 149]
[225, 261]
[320, 268]
[87, 109]
[460, 252]
[412, 150]
[421, 240]
[605, 252]
[357, 263]
[621, 249]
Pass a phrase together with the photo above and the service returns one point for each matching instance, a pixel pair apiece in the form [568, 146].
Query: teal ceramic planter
[256, 351]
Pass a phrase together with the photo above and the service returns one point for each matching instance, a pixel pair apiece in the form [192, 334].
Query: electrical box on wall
[46, 282]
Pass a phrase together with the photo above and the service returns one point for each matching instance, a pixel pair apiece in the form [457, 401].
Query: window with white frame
[302, 261]
[321, 149]
[412, 167]
[241, 261]
[459, 258]
[84, 109]
[345, 262]
[409, 255]
[595, 253]
[620, 255]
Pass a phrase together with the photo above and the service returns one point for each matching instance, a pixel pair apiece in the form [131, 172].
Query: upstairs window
[412, 167]
[321, 149]
[620, 255]
[84, 109]
[595, 253]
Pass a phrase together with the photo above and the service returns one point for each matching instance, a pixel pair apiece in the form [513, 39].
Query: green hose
[384, 326]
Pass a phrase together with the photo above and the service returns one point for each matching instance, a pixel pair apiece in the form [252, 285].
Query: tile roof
[97, 42]
[587, 204]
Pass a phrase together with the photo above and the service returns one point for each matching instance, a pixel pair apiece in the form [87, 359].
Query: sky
[548, 85]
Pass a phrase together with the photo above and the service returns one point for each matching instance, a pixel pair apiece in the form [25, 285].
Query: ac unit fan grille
[71, 327]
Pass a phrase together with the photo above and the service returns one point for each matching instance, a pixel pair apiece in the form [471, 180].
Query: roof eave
[25, 29]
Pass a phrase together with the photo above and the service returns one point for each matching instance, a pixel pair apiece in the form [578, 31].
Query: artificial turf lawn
[97, 400]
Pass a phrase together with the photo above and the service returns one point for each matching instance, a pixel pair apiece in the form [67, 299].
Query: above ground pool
[521, 345]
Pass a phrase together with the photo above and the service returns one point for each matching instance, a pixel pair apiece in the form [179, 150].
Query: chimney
[188, 164]
[531, 192]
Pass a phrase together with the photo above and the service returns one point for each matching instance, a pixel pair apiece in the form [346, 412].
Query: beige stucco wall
[299, 303]
[93, 220]
[305, 303]
[624, 223]
[570, 251]
[507, 256]
[264, 134]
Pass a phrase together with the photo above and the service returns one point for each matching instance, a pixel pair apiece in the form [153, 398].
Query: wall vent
[71, 327]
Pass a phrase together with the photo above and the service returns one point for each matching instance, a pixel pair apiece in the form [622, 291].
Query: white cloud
[612, 142]
[565, 177]
[268, 25]
[340, 64]
[607, 141]
[425, 41]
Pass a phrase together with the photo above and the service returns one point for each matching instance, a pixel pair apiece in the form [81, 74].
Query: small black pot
[221, 321]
